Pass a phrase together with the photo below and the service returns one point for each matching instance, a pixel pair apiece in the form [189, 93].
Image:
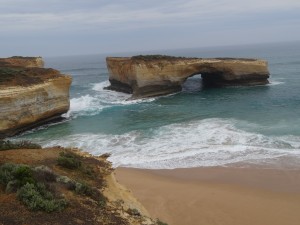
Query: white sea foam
[275, 82]
[114, 97]
[84, 105]
[94, 103]
[100, 86]
[208, 142]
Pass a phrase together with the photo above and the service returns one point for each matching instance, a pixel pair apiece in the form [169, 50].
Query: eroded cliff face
[22, 61]
[23, 108]
[146, 76]
[30, 97]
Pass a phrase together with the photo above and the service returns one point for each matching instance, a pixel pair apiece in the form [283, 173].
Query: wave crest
[208, 142]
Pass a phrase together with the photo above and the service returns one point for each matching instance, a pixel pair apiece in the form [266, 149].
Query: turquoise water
[196, 127]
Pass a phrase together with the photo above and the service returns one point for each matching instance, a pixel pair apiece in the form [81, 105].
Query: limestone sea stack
[29, 95]
[154, 75]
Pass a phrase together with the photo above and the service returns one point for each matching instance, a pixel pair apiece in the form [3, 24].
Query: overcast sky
[74, 27]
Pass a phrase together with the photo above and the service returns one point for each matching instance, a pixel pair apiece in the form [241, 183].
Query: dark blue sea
[196, 127]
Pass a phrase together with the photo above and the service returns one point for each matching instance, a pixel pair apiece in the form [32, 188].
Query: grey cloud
[176, 23]
[112, 14]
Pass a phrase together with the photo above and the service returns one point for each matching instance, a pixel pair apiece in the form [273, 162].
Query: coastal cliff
[146, 76]
[30, 97]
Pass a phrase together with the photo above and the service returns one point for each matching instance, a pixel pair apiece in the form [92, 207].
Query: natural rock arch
[146, 76]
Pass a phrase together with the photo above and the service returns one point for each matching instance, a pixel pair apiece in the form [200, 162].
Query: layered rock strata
[146, 76]
[30, 97]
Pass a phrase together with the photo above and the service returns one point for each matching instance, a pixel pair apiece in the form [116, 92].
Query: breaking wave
[208, 142]
[92, 104]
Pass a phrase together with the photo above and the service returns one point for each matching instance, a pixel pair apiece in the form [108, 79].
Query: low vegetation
[37, 197]
[69, 160]
[19, 76]
[33, 186]
[158, 222]
[133, 212]
[60, 186]
[154, 57]
[7, 145]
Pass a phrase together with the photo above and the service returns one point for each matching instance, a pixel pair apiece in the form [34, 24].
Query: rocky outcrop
[146, 76]
[22, 61]
[30, 97]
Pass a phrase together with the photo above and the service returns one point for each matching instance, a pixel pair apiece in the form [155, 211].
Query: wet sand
[217, 195]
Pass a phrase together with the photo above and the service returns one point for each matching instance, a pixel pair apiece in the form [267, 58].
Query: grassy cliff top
[167, 57]
[156, 57]
[19, 76]
[24, 57]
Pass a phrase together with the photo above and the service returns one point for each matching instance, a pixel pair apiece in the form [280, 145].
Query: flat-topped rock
[154, 75]
[30, 97]
[20, 61]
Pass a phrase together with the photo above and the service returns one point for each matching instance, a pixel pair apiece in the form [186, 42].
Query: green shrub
[68, 183]
[93, 193]
[102, 203]
[41, 188]
[23, 175]
[85, 189]
[158, 222]
[133, 212]
[7, 145]
[36, 197]
[89, 171]
[25, 181]
[69, 160]
[17, 175]
[6, 173]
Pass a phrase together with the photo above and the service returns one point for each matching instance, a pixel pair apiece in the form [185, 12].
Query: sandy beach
[217, 195]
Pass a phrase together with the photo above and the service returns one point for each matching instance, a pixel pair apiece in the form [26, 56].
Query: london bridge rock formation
[30, 95]
[153, 75]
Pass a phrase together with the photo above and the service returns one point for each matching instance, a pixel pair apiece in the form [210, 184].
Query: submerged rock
[30, 96]
[146, 76]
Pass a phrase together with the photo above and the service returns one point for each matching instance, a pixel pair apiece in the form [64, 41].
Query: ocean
[193, 128]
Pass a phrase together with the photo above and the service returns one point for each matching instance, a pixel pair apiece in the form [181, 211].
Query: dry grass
[19, 76]
[86, 204]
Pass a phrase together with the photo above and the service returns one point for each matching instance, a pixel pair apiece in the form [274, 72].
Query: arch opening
[193, 83]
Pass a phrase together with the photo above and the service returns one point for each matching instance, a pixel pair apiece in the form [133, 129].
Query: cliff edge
[30, 95]
[154, 75]
[63, 186]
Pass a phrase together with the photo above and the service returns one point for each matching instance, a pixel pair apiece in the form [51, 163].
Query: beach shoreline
[217, 195]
